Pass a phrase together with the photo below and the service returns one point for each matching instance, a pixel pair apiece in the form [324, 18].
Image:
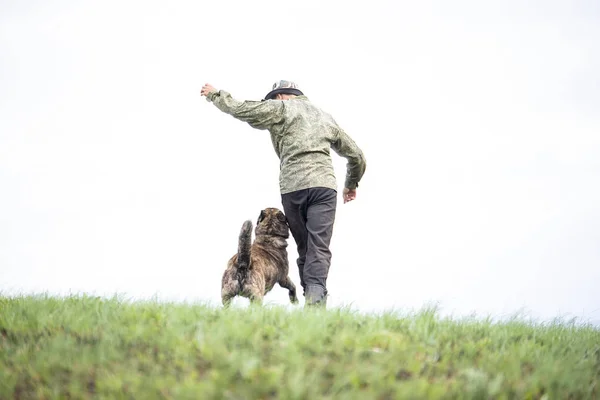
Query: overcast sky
[480, 122]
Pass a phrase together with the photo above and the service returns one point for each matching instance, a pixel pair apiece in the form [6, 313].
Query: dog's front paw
[293, 298]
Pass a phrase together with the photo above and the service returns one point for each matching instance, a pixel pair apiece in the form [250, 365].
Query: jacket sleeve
[259, 114]
[355, 168]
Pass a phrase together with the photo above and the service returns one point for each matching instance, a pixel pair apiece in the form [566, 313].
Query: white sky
[480, 122]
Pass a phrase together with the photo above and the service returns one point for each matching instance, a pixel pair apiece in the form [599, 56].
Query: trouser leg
[311, 215]
[295, 205]
[319, 224]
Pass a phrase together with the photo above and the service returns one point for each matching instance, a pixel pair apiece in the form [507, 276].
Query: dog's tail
[244, 245]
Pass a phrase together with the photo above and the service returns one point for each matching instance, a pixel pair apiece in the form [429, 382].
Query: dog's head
[272, 221]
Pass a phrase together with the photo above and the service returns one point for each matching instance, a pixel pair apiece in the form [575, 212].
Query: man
[302, 135]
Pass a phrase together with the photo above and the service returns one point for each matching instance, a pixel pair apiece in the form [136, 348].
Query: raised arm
[259, 114]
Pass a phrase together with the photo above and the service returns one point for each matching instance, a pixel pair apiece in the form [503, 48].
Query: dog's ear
[261, 217]
[281, 217]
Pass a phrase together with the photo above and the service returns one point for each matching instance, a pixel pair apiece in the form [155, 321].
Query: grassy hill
[86, 347]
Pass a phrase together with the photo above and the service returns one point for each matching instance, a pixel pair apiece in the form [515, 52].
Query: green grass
[87, 347]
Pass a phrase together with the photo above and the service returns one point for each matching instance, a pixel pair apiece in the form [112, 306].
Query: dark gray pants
[310, 214]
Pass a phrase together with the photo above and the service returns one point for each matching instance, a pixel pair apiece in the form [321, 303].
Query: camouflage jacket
[302, 135]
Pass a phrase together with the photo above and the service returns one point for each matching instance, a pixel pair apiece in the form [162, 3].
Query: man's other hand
[206, 89]
[349, 195]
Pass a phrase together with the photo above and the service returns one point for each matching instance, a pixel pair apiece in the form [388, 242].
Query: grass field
[87, 347]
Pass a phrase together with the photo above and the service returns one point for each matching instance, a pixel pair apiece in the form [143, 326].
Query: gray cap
[283, 87]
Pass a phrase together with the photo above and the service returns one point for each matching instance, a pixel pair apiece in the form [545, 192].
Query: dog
[258, 266]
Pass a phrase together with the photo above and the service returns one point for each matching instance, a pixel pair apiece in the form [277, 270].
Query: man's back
[302, 142]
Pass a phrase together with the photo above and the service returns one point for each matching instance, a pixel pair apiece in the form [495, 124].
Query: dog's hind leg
[226, 299]
[228, 292]
[230, 286]
[255, 288]
[256, 299]
[289, 285]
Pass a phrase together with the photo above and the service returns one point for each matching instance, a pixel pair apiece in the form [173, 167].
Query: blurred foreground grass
[88, 347]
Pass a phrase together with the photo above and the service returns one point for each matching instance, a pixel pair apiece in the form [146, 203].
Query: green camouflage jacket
[302, 135]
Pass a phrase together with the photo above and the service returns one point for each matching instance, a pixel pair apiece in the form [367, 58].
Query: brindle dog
[257, 267]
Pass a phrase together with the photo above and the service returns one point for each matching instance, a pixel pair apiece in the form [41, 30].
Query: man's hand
[206, 89]
[349, 195]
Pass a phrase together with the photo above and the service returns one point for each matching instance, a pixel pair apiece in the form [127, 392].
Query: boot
[316, 296]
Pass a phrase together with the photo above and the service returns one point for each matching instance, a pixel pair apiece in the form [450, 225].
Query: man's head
[283, 90]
